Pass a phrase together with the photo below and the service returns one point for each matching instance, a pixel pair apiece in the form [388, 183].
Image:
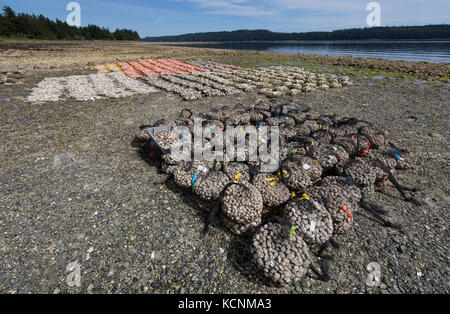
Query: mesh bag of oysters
[328, 167]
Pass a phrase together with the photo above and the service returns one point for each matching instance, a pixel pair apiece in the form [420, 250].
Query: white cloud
[128, 8]
[327, 11]
[232, 7]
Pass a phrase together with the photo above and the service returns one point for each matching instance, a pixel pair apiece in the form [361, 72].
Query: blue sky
[171, 17]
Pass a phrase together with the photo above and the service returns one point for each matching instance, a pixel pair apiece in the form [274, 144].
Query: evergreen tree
[39, 27]
[386, 33]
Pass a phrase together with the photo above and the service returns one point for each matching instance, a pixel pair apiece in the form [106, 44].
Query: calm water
[429, 51]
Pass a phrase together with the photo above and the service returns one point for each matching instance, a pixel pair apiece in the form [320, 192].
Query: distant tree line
[39, 27]
[386, 33]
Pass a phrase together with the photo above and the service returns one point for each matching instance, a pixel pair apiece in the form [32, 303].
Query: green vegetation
[372, 33]
[28, 26]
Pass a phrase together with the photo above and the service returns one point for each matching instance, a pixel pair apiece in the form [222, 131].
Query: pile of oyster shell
[88, 87]
[219, 80]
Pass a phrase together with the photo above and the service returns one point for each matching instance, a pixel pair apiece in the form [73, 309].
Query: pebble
[238, 282]
[14, 75]
[62, 159]
[436, 135]
[18, 99]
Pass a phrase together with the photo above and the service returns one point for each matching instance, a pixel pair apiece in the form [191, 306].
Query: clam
[282, 257]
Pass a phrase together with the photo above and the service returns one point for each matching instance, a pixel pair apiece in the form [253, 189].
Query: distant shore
[61, 55]
[289, 41]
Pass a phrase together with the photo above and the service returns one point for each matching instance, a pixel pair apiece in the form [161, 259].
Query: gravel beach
[73, 188]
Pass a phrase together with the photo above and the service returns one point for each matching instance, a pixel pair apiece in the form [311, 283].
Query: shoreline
[51, 55]
[293, 41]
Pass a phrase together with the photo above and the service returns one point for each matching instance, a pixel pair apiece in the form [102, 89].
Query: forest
[28, 26]
[373, 33]
[23, 25]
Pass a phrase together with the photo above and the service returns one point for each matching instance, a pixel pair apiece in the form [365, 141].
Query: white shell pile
[136, 86]
[88, 87]
[278, 80]
[49, 89]
[81, 88]
[104, 85]
[228, 90]
[186, 93]
[221, 80]
[213, 80]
